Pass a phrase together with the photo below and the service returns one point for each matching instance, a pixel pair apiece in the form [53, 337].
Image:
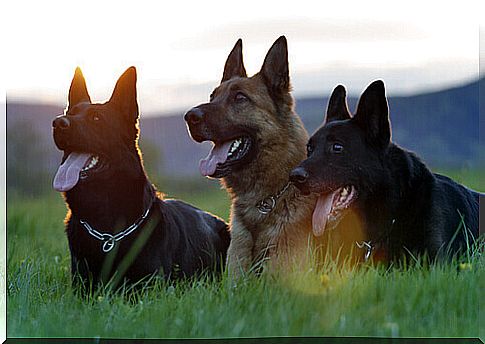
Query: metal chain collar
[269, 203]
[109, 240]
[368, 248]
[369, 245]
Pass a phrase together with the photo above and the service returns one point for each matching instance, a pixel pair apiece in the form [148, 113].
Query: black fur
[403, 206]
[176, 239]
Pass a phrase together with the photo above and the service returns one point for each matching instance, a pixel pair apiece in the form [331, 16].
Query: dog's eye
[239, 97]
[337, 148]
[309, 150]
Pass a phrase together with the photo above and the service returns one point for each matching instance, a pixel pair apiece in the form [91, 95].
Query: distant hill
[442, 127]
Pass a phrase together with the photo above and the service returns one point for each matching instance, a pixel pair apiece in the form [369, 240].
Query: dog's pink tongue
[217, 155]
[321, 212]
[67, 175]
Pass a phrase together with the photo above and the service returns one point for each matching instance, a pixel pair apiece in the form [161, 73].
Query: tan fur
[282, 235]
[278, 144]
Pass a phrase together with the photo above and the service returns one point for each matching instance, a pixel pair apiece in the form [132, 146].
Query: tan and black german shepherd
[258, 139]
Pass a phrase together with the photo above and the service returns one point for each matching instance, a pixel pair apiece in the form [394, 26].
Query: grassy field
[441, 300]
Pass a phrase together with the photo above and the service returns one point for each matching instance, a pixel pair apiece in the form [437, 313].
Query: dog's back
[458, 209]
[195, 231]
[432, 212]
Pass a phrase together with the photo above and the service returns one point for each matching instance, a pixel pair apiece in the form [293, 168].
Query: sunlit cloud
[304, 30]
[180, 48]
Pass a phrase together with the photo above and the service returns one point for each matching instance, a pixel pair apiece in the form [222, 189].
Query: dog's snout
[299, 175]
[194, 116]
[61, 122]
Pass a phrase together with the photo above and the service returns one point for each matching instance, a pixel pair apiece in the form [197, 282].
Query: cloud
[482, 50]
[302, 30]
[155, 98]
[400, 80]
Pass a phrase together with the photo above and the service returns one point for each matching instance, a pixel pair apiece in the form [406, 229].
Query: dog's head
[98, 140]
[345, 155]
[244, 113]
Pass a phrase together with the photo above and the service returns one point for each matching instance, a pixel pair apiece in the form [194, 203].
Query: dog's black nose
[61, 122]
[299, 175]
[194, 116]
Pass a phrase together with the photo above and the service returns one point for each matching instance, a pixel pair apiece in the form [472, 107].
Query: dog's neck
[386, 213]
[269, 172]
[266, 178]
[255, 184]
[111, 205]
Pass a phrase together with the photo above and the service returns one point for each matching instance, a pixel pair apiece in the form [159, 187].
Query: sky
[180, 48]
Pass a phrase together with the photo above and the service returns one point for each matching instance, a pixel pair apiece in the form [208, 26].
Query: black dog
[364, 180]
[118, 226]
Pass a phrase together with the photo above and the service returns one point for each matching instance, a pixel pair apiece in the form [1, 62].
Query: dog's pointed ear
[337, 108]
[234, 64]
[78, 91]
[275, 69]
[373, 113]
[124, 95]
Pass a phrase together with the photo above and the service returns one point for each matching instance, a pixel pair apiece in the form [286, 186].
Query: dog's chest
[87, 249]
[285, 227]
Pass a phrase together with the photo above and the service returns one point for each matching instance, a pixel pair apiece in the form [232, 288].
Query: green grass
[472, 178]
[441, 300]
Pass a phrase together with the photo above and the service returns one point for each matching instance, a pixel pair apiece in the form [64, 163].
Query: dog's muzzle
[299, 177]
[195, 119]
[61, 122]
[194, 116]
[62, 126]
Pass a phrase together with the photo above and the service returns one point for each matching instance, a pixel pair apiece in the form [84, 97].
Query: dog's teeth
[234, 147]
[344, 192]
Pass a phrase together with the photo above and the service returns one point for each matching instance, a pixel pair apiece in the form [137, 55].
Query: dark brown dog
[258, 139]
[118, 226]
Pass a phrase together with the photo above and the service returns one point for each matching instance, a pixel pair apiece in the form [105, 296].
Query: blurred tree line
[30, 169]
